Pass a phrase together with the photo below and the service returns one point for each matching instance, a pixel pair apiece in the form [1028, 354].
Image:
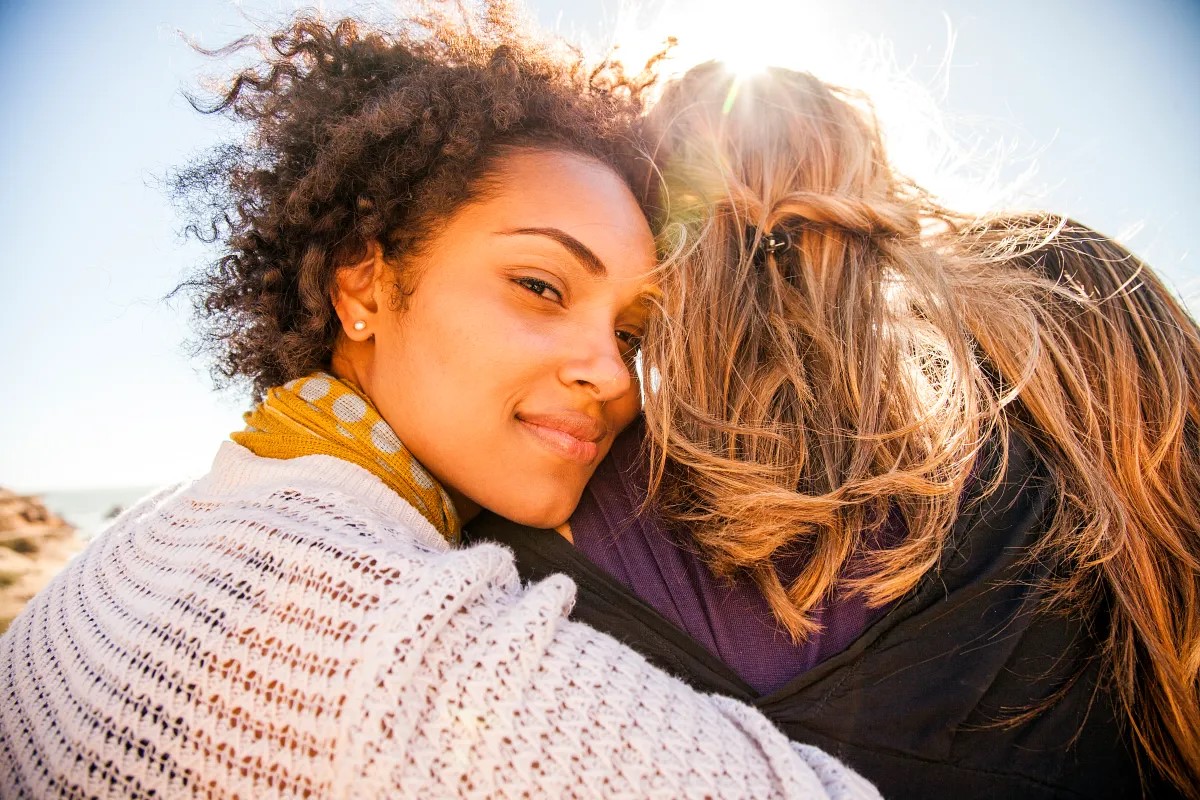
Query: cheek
[483, 363]
[624, 410]
[517, 354]
[458, 344]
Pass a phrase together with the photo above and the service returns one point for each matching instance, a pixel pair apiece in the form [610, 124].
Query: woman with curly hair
[434, 278]
[913, 499]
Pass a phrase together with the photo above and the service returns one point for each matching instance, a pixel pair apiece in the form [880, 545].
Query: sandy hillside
[34, 545]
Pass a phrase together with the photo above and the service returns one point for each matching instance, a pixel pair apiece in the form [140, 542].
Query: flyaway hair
[1113, 404]
[801, 398]
[353, 134]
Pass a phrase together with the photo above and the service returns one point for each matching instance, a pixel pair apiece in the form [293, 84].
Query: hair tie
[770, 243]
[773, 242]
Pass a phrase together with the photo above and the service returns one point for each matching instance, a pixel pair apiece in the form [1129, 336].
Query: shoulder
[1004, 512]
[298, 596]
[258, 540]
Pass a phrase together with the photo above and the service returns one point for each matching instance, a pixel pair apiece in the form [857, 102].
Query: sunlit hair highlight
[799, 400]
[804, 396]
[1113, 403]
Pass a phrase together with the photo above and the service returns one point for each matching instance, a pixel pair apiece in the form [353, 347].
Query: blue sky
[1101, 98]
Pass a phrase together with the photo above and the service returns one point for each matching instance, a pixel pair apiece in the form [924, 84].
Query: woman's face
[508, 371]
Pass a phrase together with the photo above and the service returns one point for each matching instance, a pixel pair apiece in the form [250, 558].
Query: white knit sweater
[295, 629]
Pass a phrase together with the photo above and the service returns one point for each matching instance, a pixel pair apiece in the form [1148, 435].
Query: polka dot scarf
[322, 415]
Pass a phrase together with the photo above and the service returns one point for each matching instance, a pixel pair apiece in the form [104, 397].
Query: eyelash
[539, 287]
[631, 340]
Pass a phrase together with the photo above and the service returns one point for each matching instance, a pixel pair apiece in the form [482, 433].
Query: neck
[351, 362]
[466, 508]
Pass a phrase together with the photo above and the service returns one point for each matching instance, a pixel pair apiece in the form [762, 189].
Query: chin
[546, 520]
[548, 513]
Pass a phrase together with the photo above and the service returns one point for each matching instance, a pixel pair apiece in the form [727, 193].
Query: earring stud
[360, 325]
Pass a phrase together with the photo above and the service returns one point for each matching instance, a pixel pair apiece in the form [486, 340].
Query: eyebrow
[590, 261]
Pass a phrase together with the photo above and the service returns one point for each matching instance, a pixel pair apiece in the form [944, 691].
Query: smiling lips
[571, 435]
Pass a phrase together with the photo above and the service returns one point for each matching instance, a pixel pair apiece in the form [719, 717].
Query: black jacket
[918, 704]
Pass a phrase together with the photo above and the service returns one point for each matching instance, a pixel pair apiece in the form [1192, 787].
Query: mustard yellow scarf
[322, 415]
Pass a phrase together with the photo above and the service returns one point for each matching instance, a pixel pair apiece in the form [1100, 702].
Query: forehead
[575, 194]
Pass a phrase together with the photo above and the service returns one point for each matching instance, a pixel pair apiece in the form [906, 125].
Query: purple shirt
[729, 618]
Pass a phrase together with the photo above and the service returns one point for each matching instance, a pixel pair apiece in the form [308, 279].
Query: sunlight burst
[946, 157]
[758, 35]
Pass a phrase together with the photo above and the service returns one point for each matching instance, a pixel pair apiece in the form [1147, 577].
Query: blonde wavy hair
[1113, 403]
[851, 369]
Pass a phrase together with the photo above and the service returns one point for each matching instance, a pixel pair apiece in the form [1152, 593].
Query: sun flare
[749, 36]
[757, 35]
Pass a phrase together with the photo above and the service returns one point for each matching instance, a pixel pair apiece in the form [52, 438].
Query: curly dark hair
[357, 134]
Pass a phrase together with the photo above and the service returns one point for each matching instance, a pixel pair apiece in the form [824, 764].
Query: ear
[356, 294]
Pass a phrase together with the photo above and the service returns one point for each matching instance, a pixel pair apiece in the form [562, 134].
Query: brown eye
[631, 339]
[631, 343]
[541, 288]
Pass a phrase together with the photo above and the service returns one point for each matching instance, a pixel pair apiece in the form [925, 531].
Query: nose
[598, 367]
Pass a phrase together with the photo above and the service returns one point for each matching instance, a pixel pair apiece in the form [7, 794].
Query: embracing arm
[481, 688]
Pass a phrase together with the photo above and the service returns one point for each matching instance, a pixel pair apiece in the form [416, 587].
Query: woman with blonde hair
[868, 505]
[1113, 395]
[432, 276]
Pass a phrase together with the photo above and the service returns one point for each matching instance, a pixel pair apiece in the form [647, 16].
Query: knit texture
[295, 629]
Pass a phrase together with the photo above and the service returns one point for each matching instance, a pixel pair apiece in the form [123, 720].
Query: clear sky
[1101, 97]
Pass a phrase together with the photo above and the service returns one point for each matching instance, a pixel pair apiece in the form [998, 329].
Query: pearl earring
[360, 325]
